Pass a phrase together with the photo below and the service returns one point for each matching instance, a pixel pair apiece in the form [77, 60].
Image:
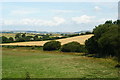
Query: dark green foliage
[18, 35]
[11, 39]
[9, 46]
[28, 38]
[72, 35]
[91, 45]
[108, 22]
[0, 39]
[23, 35]
[36, 37]
[72, 47]
[82, 34]
[108, 42]
[4, 39]
[46, 37]
[52, 45]
[105, 41]
[88, 32]
[98, 31]
[19, 38]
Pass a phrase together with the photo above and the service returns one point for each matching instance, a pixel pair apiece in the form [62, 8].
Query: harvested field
[80, 39]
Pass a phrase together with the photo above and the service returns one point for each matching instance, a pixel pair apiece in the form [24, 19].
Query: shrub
[4, 39]
[52, 45]
[72, 35]
[91, 45]
[73, 47]
[11, 39]
[88, 32]
[36, 38]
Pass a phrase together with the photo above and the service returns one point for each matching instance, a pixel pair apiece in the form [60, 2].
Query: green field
[42, 64]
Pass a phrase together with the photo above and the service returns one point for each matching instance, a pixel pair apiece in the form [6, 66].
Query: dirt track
[80, 39]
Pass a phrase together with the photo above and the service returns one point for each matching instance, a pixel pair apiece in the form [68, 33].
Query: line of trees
[21, 37]
[106, 40]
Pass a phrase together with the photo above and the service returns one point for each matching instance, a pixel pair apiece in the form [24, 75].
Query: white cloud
[97, 8]
[36, 22]
[83, 19]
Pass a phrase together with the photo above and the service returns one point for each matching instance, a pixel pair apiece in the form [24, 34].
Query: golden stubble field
[81, 39]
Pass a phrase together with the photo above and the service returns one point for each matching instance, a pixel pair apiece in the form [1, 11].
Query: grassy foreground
[18, 63]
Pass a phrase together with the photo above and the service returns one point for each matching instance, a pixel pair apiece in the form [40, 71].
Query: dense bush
[91, 45]
[88, 32]
[36, 38]
[72, 35]
[73, 47]
[52, 45]
[4, 39]
[105, 41]
[11, 39]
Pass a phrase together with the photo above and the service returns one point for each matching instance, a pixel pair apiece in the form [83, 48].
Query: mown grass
[54, 64]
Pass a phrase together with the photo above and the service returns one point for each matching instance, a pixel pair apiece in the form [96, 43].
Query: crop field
[80, 39]
[8, 34]
[19, 62]
[13, 34]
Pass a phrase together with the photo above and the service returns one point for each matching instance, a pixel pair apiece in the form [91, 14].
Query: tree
[105, 41]
[10, 39]
[98, 31]
[72, 47]
[108, 22]
[91, 45]
[36, 37]
[18, 35]
[28, 38]
[108, 42]
[46, 37]
[4, 39]
[52, 45]
[23, 35]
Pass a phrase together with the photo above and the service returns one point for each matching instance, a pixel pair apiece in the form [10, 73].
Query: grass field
[80, 39]
[42, 64]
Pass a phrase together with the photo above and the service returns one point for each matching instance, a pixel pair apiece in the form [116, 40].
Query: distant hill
[83, 31]
[23, 31]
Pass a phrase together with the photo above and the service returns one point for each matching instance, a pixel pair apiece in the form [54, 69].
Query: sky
[56, 16]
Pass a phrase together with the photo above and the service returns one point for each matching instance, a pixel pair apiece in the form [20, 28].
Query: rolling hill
[81, 39]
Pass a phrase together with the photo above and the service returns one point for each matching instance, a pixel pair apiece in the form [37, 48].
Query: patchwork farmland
[81, 39]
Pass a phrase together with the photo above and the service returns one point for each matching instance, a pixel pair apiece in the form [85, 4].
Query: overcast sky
[56, 16]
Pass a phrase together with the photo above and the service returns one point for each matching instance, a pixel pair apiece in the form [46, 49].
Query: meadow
[22, 62]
